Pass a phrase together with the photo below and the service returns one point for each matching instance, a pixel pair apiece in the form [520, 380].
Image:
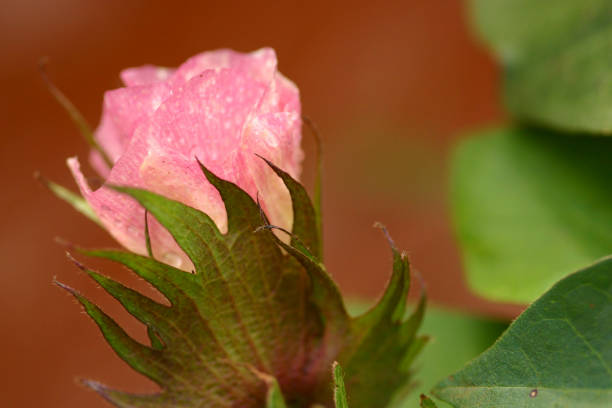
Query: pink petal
[123, 109]
[258, 65]
[289, 95]
[111, 140]
[221, 107]
[205, 118]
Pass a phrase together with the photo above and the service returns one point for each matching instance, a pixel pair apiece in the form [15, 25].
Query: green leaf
[529, 208]
[456, 338]
[557, 56]
[259, 321]
[558, 353]
[339, 389]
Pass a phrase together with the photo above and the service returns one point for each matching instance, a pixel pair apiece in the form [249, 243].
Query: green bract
[558, 353]
[530, 207]
[340, 399]
[259, 322]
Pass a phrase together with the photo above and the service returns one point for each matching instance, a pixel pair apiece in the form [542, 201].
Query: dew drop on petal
[162, 73]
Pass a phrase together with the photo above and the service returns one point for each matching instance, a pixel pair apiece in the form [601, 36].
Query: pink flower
[222, 107]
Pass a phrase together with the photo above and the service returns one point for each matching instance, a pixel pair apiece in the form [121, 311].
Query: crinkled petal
[124, 108]
[258, 66]
[128, 106]
[205, 119]
[197, 121]
[288, 94]
[221, 107]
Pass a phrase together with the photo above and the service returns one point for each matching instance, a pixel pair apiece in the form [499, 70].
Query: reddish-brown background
[390, 84]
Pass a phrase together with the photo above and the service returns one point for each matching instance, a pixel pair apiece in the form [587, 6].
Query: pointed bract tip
[202, 166]
[65, 287]
[43, 63]
[273, 166]
[64, 242]
[94, 385]
[42, 179]
[75, 261]
[383, 228]
[210, 176]
[264, 159]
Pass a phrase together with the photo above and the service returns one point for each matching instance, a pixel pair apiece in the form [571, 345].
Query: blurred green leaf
[557, 56]
[529, 208]
[518, 30]
[571, 90]
[558, 353]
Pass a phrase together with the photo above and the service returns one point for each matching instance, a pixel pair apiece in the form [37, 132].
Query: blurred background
[391, 85]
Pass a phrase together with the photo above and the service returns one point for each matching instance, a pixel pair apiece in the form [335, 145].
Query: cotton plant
[201, 166]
